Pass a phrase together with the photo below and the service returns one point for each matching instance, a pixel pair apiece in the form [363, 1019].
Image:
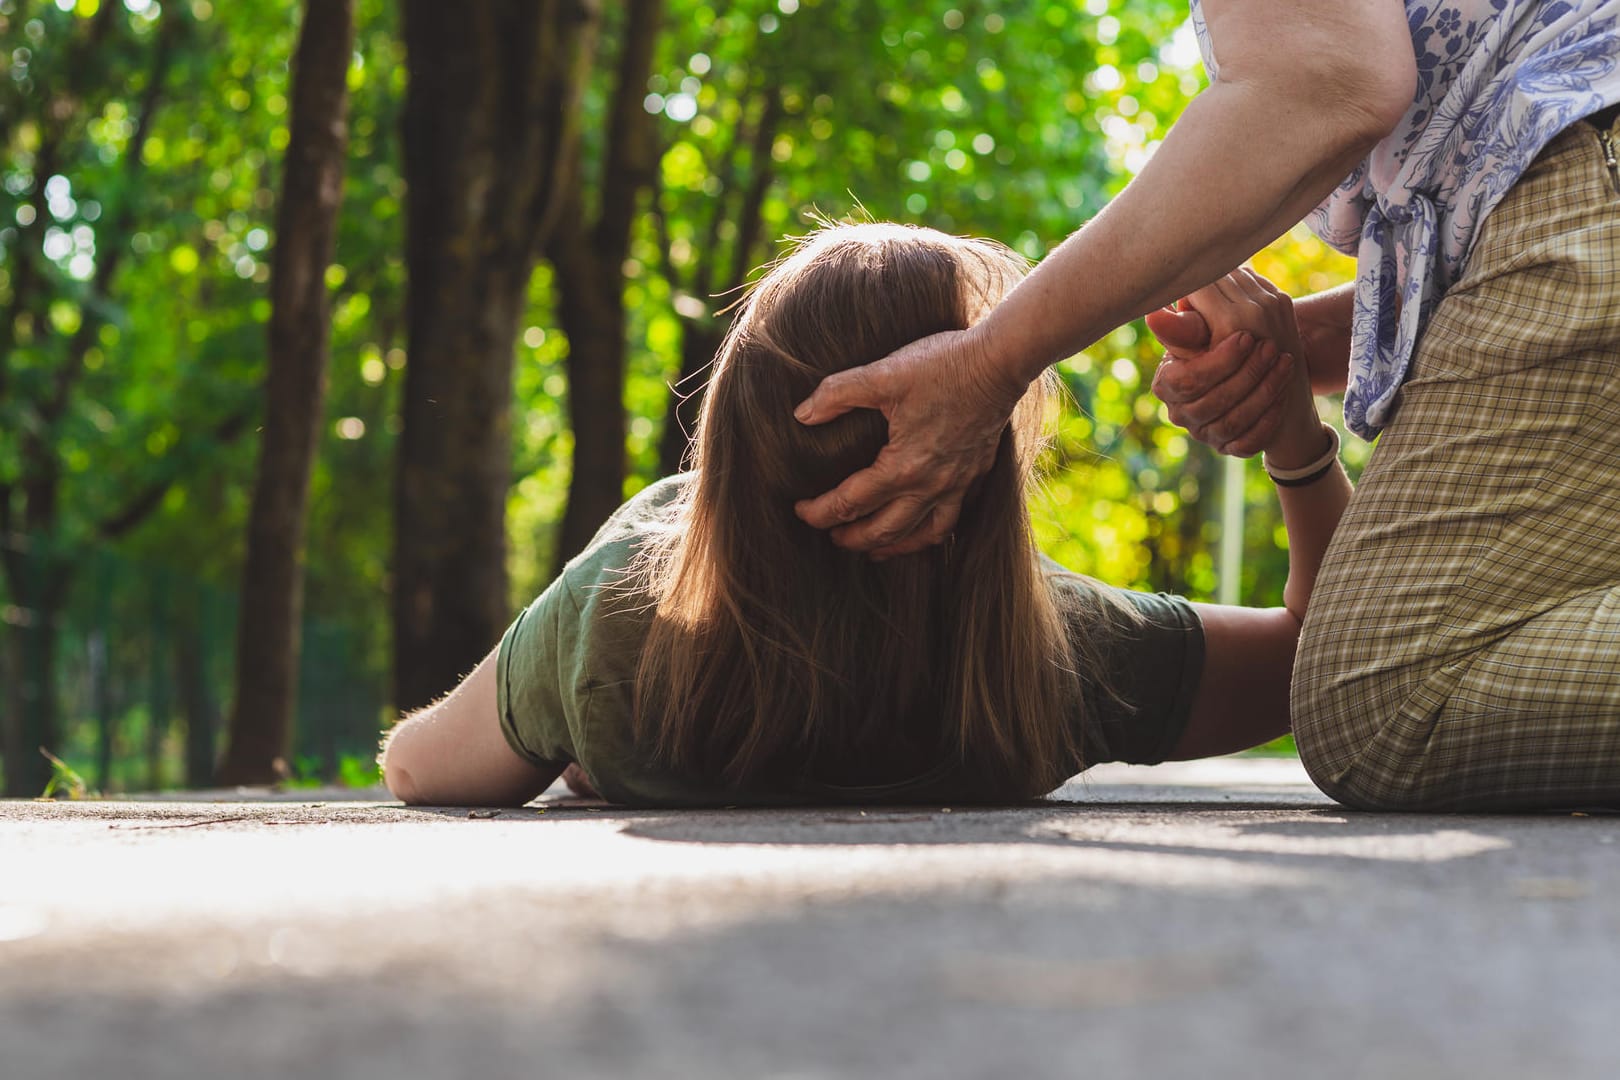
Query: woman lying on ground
[709, 648]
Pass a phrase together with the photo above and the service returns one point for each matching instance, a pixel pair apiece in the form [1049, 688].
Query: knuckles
[842, 508]
[882, 536]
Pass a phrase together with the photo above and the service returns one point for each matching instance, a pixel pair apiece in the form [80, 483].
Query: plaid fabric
[1462, 650]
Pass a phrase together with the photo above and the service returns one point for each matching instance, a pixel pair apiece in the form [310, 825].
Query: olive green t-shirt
[567, 665]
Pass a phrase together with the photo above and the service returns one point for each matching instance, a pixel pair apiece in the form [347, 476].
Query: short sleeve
[536, 675]
[582, 635]
[1151, 652]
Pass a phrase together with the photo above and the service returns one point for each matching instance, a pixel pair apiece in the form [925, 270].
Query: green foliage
[1282, 747]
[65, 783]
[144, 143]
[352, 771]
[355, 771]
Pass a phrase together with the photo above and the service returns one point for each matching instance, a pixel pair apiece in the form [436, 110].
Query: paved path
[1216, 920]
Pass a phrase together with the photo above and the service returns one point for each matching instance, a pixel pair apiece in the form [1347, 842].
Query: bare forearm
[1310, 511]
[1310, 514]
[1249, 653]
[1290, 113]
[1324, 324]
[1212, 196]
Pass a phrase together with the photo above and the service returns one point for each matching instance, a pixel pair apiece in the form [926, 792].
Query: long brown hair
[775, 657]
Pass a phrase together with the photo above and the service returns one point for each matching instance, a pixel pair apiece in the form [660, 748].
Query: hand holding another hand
[1234, 373]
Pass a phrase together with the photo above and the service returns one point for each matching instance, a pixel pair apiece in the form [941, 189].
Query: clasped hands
[1234, 375]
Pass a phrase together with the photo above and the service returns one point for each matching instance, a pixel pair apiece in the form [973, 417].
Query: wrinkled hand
[947, 404]
[1240, 394]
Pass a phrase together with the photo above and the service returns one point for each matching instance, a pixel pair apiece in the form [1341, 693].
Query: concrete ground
[1211, 920]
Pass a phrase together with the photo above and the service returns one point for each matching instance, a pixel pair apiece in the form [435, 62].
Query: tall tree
[267, 641]
[49, 341]
[588, 249]
[491, 125]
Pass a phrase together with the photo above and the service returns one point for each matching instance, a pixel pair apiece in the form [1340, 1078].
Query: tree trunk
[590, 288]
[35, 623]
[157, 716]
[197, 702]
[491, 127]
[39, 580]
[159, 699]
[27, 770]
[10, 688]
[589, 256]
[300, 325]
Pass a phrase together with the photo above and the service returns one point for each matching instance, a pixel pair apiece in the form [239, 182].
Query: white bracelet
[1307, 474]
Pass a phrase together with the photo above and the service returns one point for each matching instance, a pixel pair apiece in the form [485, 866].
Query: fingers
[858, 496]
[1242, 300]
[1232, 288]
[904, 524]
[1179, 329]
[1249, 428]
[1247, 424]
[1259, 284]
[1178, 380]
[946, 416]
[1248, 374]
[838, 393]
[867, 512]
[1275, 304]
[935, 529]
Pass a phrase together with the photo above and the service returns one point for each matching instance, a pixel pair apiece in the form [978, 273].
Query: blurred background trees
[547, 207]
[268, 637]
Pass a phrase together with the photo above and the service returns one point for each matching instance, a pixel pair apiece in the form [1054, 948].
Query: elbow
[1296, 611]
[396, 775]
[1366, 96]
[1340, 105]
[1384, 95]
[401, 785]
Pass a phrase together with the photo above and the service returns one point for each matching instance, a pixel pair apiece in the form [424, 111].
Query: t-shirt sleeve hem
[503, 695]
[1190, 676]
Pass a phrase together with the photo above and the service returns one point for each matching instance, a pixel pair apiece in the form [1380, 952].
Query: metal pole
[1230, 578]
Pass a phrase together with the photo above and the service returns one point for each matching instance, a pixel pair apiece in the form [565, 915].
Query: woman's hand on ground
[947, 404]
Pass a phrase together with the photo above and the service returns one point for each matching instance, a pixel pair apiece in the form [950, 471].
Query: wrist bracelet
[1307, 474]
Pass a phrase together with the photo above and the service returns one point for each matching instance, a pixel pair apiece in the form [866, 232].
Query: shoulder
[604, 595]
[652, 510]
[650, 514]
[1145, 656]
[1089, 601]
[1137, 635]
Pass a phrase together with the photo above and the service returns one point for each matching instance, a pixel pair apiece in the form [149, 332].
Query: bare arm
[1249, 653]
[452, 753]
[1324, 323]
[1211, 387]
[1288, 118]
